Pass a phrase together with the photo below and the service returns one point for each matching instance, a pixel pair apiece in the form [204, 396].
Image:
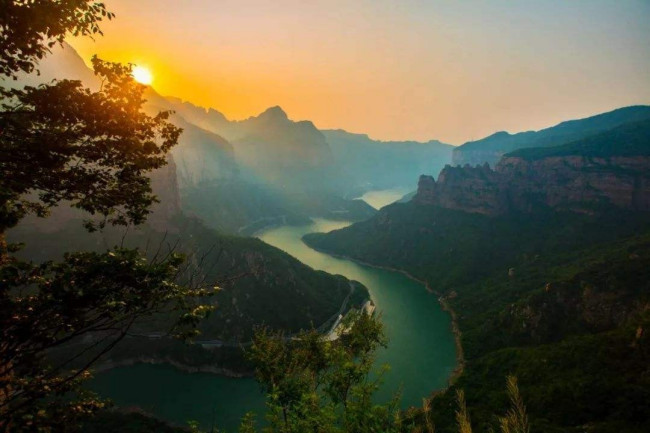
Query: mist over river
[421, 350]
[384, 197]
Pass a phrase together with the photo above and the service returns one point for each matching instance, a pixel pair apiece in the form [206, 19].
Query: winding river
[421, 351]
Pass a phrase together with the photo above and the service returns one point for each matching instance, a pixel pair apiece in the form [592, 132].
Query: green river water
[421, 351]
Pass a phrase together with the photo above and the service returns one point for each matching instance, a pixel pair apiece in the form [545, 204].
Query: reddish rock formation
[574, 183]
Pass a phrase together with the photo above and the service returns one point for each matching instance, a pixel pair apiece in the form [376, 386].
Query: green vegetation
[558, 300]
[572, 327]
[259, 284]
[313, 384]
[448, 248]
[490, 149]
[93, 150]
[322, 386]
[632, 139]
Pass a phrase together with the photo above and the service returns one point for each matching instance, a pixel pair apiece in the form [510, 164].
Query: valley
[557, 296]
[250, 217]
[421, 361]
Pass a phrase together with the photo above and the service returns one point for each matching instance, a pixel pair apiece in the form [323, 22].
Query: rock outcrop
[574, 183]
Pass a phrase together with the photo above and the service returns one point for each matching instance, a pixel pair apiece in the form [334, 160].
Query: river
[421, 351]
[381, 198]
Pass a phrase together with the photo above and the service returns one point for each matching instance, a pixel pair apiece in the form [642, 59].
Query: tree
[316, 385]
[63, 144]
[30, 28]
[313, 384]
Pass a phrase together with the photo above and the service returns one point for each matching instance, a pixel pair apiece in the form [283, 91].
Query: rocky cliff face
[271, 147]
[202, 156]
[575, 183]
[605, 294]
[165, 185]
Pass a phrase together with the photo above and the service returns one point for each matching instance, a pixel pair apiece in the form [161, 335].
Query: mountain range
[543, 259]
[260, 283]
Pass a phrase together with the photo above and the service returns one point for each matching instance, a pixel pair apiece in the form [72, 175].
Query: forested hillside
[492, 148]
[555, 295]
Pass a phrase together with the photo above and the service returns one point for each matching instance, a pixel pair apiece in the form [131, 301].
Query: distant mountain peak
[275, 113]
[497, 135]
[189, 109]
[217, 113]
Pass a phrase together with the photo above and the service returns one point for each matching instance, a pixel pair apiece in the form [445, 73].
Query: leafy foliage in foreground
[60, 142]
[49, 305]
[30, 28]
[315, 385]
[321, 386]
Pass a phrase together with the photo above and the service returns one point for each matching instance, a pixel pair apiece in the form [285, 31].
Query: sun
[142, 75]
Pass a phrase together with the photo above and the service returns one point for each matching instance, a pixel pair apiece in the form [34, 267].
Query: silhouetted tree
[62, 143]
[30, 28]
[316, 385]
[313, 384]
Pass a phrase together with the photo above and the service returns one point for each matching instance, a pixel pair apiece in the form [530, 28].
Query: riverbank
[444, 303]
[325, 328]
[148, 360]
[421, 353]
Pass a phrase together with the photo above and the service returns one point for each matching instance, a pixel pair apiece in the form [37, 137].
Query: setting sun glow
[142, 75]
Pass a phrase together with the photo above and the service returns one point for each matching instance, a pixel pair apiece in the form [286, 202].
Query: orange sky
[453, 71]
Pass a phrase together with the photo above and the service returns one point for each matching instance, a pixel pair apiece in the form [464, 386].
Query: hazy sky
[450, 70]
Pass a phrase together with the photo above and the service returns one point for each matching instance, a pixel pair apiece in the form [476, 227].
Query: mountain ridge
[491, 148]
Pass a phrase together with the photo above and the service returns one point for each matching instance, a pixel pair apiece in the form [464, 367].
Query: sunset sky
[447, 70]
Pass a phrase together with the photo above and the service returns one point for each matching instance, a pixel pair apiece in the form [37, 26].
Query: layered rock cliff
[575, 183]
